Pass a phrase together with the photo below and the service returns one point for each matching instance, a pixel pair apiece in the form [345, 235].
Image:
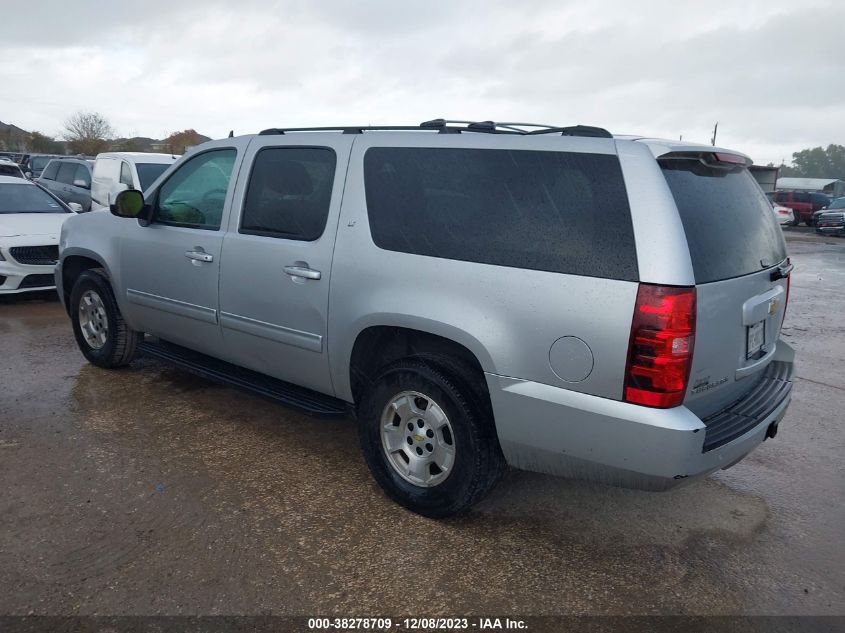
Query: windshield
[839, 203]
[38, 163]
[27, 199]
[148, 172]
[728, 221]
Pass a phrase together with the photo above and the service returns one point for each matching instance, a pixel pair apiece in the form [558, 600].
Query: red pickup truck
[803, 203]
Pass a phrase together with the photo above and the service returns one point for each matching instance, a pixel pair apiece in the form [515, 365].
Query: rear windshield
[148, 172]
[10, 169]
[554, 211]
[27, 199]
[729, 224]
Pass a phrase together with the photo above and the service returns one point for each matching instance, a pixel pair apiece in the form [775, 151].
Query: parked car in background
[784, 215]
[69, 179]
[831, 221]
[496, 297]
[30, 221]
[35, 164]
[117, 171]
[803, 202]
[835, 204]
[9, 168]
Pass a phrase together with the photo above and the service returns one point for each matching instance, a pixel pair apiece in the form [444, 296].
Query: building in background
[832, 187]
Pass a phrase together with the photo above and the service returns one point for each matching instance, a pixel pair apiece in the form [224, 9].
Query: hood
[12, 224]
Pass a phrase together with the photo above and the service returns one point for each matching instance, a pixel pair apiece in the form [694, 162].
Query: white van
[117, 171]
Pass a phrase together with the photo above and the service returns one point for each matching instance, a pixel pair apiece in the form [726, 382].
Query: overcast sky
[772, 72]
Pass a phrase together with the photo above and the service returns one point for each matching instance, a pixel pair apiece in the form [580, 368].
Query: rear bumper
[560, 432]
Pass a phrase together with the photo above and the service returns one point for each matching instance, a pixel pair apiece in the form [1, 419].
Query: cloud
[768, 71]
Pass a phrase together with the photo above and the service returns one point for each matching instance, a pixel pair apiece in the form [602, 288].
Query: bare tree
[87, 133]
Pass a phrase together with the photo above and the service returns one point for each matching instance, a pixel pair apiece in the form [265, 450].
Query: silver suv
[476, 295]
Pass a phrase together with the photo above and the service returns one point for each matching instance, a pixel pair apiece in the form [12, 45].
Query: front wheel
[102, 335]
[428, 440]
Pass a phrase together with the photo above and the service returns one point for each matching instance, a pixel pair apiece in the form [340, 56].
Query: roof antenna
[231, 133]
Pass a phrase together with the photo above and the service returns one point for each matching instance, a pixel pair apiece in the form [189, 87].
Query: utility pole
[715, 128]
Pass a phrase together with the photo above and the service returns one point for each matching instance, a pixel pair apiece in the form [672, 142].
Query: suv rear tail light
[660, 350]
[786, 302]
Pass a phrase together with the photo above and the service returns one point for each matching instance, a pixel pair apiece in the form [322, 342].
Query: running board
[306, 400]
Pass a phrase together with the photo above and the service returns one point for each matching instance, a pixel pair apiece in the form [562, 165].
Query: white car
[30, 222]
[783, 215]
[9, 168]
[117, 171]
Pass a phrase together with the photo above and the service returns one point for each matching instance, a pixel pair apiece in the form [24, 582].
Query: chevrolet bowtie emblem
[419, 438]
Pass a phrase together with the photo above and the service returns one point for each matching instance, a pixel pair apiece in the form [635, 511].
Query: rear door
[736, 247]
[274, 283]
[61, 186]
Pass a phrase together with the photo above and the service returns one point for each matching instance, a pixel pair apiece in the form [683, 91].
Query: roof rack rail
[576, 130]
[453, 126]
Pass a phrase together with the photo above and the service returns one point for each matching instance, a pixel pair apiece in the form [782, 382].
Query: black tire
[795, 219]
[808, 222]
[121, 342]
[478, 463]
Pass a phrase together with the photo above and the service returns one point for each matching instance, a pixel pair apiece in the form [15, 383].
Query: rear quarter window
[728, 221]
[553, 211]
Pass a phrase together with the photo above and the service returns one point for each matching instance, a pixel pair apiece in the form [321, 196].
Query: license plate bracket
[755, 338]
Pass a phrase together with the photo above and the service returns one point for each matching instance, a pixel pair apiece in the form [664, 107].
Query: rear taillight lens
[660, 350]
[786, 303]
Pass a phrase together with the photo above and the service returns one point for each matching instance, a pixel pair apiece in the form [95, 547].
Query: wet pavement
[150, 491]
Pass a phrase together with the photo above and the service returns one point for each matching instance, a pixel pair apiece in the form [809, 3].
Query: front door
[170, 269]
[274, 285]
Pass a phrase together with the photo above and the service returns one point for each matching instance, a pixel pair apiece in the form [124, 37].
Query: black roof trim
[444, 126]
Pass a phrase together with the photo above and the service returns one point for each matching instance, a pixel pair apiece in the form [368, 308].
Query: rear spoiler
[719, 158]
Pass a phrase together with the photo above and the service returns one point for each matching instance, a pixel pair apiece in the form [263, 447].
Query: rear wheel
[429, 442]
[102, 335]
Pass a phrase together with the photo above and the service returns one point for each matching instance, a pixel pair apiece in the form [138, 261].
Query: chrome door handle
[199, 256]
[302, 271]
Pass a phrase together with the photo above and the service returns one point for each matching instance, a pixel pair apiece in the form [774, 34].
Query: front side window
[555, 211]
[125, 174]
[195, 193]
[51, 170]
[66, 173]
[82, 175]
[289, 193]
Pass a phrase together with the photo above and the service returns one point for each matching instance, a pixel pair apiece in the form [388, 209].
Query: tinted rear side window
[554, 211]
[289, 193]
[729, 224]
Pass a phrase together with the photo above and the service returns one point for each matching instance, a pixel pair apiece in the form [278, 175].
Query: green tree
[817, 162]
[43, 144]
[178, 142]
[87, 133]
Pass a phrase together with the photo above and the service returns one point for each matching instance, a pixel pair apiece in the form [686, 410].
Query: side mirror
[28, 174]
[81, 183]
[75, 207]
[128, 204]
